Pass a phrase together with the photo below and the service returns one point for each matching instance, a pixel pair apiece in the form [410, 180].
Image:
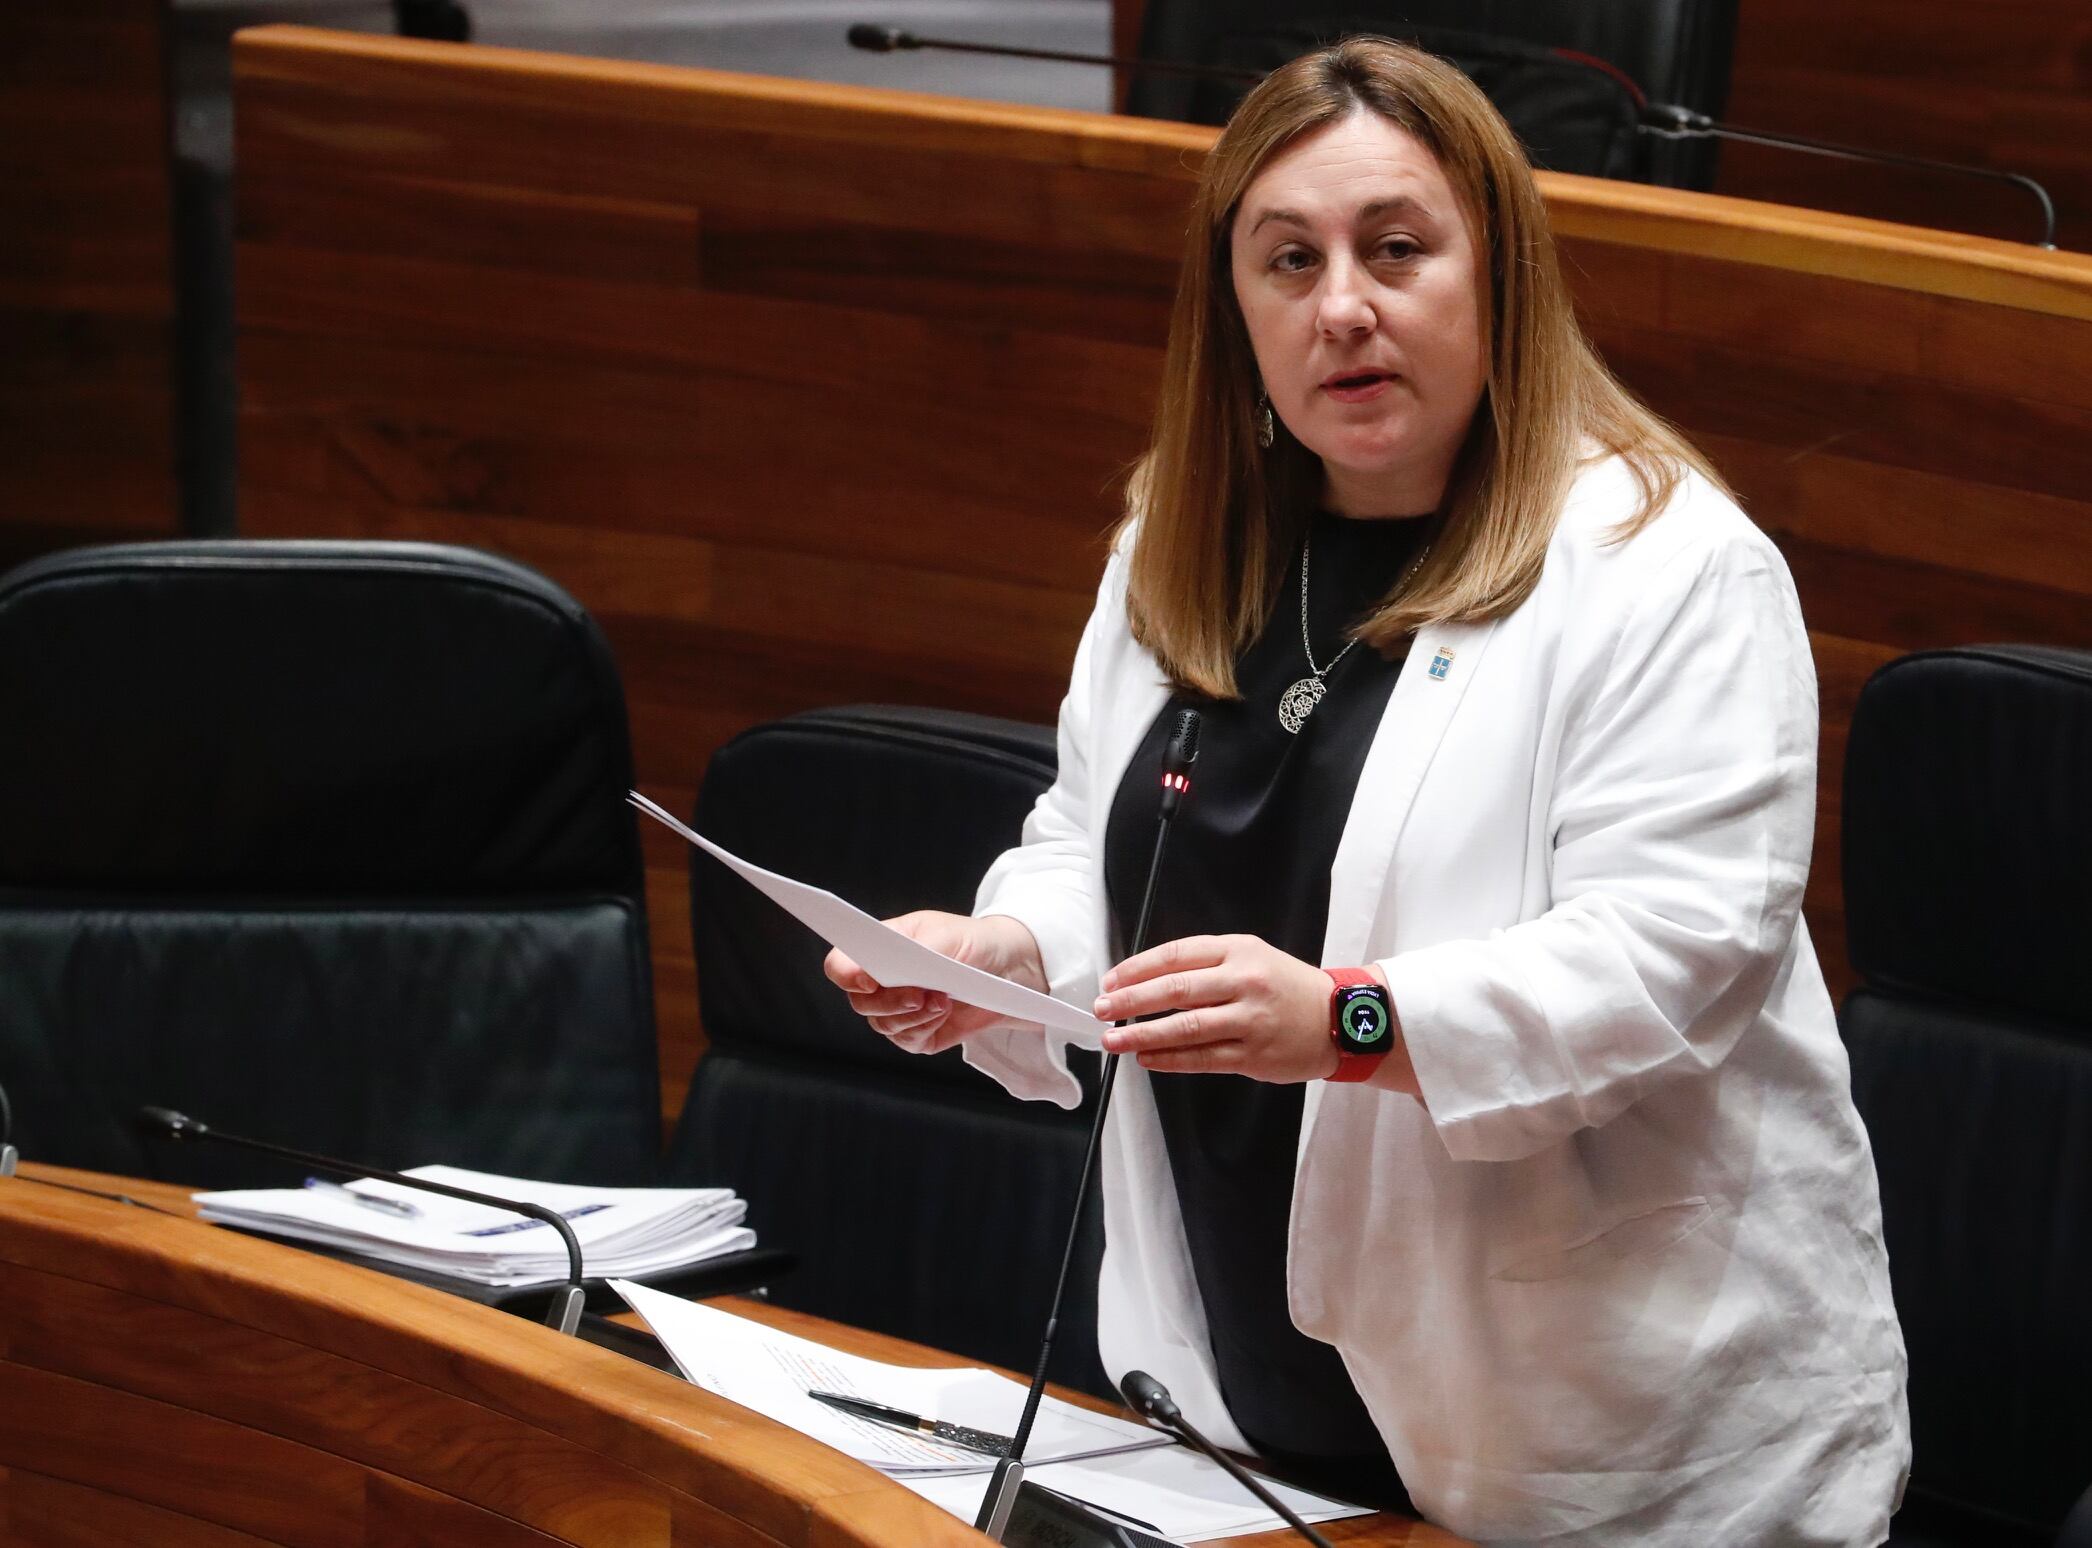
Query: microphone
[565, 1312]
[1664, 120]
[880, 40]
[1151, 1400]
[1669, 121]
[8, 1155]
[886, 40]
[1181, 752]
[1178, 755]
[445, 21]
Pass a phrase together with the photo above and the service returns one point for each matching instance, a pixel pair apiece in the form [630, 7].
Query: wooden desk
[168, 1382]
[818, 395]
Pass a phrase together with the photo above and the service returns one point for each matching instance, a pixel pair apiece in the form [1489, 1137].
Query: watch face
[1364, 1020]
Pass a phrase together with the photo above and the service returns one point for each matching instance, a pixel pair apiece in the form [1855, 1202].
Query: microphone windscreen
[1145, 1395]
[1182, 750]
[166, 1123]
[873, 39]
[1670, 116]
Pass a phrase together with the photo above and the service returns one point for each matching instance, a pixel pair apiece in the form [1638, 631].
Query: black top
[1250, 854]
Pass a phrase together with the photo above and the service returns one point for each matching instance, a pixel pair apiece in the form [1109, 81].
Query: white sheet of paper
[1186, 1497]
[885, 953]
[771, 1371]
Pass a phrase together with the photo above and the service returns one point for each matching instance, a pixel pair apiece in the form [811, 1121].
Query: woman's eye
[1401, 249]
[1292, 260]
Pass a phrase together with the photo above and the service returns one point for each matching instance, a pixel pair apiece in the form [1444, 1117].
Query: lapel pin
[1441, 664]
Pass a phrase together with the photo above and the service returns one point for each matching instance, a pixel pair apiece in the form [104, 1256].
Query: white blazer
[1620, 1280]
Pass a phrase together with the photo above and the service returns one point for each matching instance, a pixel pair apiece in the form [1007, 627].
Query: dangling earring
[1265, 431]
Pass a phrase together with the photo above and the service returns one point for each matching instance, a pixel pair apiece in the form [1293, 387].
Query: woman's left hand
[1241, 1007]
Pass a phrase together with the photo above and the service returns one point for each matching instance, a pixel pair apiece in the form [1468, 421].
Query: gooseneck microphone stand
[1669, 122]
[1150, 1398]
[1662, 119]
[1178, 755]
[565, 1312]
[8, 1156]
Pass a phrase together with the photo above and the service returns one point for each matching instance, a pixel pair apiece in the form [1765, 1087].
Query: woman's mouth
[1357, 386]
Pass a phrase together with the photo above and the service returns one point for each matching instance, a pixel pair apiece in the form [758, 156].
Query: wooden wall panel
[2005, 84]
[189, 1464]
[817, 395]
[1921, 459]
[335, 1406]
[162, 1381]
[42, 1512]
[695, 389]
[86, 276]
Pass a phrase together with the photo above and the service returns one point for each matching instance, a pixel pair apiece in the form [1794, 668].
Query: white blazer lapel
[1432, 683]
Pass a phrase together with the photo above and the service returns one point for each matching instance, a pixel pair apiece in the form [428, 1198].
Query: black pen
[983, 1441]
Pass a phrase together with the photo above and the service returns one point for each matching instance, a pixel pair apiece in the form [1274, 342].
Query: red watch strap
[1350, 1066]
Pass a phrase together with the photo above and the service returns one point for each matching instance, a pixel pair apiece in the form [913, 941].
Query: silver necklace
[1299, 701]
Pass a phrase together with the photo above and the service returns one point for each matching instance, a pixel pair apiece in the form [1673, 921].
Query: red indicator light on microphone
[1181, 783]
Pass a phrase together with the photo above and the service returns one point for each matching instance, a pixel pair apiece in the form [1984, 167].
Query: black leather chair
[1968, 833]
[1672, 51]
[324, 843]
[919, 1197]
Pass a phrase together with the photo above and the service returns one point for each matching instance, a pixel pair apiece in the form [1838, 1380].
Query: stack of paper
[1130, 1469]
[622, 1231]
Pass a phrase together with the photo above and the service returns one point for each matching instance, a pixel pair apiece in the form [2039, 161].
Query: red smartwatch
[1361, 1023]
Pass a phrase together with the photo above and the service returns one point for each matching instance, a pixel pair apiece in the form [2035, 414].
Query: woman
[1542, 1192]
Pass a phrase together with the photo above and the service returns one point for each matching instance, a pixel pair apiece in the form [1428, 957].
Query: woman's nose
[1345, 307]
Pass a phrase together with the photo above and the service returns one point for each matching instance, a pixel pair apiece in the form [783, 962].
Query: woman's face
[1360, 283]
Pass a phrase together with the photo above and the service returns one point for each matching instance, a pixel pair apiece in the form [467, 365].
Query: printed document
[622, 1231]
[772, 1371]
[1141, 1473]
[885, 953]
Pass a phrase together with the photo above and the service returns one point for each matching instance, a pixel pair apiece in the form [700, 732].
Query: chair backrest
[1968, 831]
[325, 843]
[920, 1198]
[1669, 51]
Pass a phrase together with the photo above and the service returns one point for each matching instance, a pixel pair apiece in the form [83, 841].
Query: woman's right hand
[929, 1021]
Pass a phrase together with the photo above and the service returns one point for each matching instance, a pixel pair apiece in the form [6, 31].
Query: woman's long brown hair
[1215, 518]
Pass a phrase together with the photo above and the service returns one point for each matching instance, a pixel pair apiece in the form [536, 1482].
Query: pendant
[1298, 702]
